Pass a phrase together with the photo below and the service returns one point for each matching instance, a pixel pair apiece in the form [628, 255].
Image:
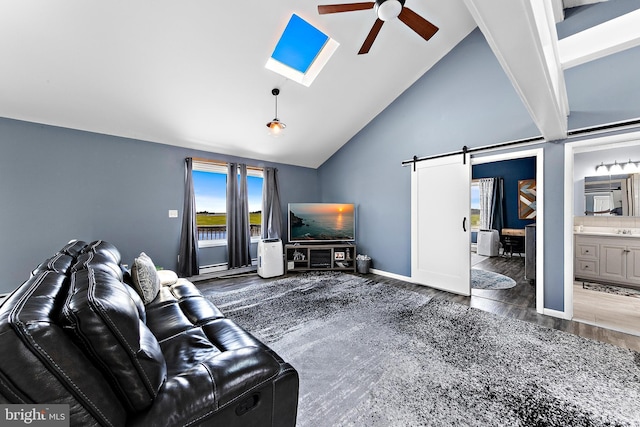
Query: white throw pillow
[167, 277]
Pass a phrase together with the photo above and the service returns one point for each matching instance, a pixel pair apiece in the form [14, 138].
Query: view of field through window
[210, 190]
[475, 205]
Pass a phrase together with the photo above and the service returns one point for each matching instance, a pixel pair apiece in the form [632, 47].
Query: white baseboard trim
[391, 275]
[555, 313]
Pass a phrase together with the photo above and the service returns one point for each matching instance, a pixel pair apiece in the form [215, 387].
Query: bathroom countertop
[606, 231]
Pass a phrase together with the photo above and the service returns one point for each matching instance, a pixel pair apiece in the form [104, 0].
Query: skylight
[301, 52]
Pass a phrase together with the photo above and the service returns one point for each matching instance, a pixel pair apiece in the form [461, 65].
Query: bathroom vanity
[607, 255]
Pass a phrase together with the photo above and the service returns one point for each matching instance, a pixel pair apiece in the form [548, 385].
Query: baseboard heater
[213, 268]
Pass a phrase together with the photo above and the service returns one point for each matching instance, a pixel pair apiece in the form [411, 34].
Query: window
[302, 51]
[210, 188]
[475, 205]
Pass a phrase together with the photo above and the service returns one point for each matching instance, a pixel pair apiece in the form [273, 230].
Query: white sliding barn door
[440, 224]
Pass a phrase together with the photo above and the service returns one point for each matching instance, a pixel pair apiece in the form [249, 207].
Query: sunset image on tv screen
[322, 221]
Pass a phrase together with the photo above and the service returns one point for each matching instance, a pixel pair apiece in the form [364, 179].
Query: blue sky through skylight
[301, 52]
[299, 45]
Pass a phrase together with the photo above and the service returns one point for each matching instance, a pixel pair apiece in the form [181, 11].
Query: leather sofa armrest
[210, 386]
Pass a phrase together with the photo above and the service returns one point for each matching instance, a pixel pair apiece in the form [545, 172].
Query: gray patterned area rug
[483, 279]
[371, 354]
[611, 289]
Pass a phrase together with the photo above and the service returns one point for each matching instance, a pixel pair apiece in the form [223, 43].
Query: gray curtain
[238, 231]
[188, 256]
[271, 209]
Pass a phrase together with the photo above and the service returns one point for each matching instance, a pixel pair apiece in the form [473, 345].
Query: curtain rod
[570, 134]
[222, 163]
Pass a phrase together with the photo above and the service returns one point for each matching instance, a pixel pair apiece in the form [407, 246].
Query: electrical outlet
[173, 213]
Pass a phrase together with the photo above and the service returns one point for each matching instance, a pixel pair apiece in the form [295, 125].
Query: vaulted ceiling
[192, 74]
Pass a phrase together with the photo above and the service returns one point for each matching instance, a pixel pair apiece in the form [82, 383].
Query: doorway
[601, 305]
[510, 261]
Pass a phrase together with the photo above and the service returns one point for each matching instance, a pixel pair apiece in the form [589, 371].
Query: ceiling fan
[385, 11]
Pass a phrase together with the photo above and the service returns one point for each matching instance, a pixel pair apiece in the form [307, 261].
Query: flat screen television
[322, 222]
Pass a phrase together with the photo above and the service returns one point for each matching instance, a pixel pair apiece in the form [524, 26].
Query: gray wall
[466, 99]
[58, 184]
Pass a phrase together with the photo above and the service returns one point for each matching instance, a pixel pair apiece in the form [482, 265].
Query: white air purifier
[488, 243]
[270, 260]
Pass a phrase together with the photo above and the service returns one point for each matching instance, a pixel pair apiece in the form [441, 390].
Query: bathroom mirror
[612, 195]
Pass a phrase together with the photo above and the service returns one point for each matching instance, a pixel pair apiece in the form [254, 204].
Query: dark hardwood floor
[522, 295]
[518, 302]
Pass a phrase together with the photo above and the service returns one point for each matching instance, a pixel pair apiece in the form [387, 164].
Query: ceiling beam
[605, 39]
[558, 10]
[523, 37]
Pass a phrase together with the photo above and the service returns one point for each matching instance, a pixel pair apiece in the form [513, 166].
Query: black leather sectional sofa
[78, 333]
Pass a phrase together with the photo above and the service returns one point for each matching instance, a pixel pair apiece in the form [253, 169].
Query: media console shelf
[340, 257]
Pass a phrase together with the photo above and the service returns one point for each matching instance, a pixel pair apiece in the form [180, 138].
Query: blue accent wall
[511, 171]
[59, 184]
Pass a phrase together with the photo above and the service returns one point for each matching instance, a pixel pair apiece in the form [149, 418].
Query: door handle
[464, 224]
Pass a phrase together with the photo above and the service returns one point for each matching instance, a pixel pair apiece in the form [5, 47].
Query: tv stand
[324, 256]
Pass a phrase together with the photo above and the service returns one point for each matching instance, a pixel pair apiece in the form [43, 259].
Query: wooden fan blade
[371, 37]
[337, 8]
[417, 23]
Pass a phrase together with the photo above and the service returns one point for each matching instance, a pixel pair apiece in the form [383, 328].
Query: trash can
[362, 264]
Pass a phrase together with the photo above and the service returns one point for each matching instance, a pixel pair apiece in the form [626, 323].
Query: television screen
[328, 222]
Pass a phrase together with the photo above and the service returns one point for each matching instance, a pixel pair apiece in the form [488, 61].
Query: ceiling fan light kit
[386, 10]
[276, 126]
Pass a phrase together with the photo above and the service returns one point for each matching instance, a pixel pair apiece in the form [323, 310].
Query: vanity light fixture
[617, 168]
[276, 126]
[601, 169]
[630, 167]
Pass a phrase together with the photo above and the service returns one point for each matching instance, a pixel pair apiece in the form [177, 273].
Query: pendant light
[276, 126]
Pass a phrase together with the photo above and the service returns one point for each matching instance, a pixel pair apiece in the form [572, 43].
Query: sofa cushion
[179, 308]
[106, 321]
[100, 246]
[73, 248]
[145, 278]
[58, 263]
[98, 261]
